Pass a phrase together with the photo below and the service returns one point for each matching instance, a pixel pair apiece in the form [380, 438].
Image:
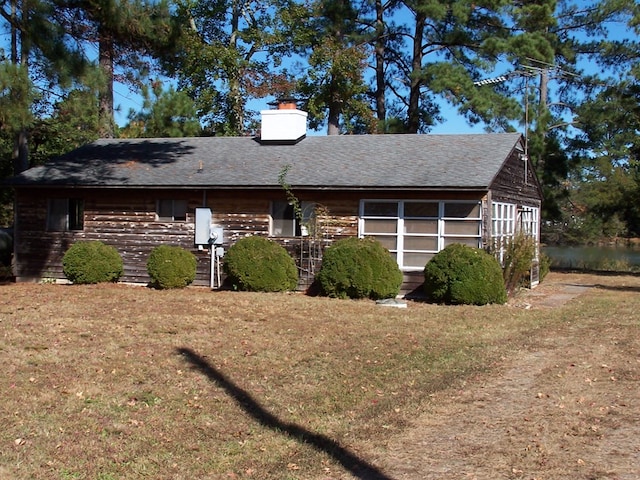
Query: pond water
[594, 257]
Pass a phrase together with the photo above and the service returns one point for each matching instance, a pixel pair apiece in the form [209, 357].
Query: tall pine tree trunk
[333, 117]
[236, 104]
[20, 154]
[105, 101]
[413, 120]
[381, 108]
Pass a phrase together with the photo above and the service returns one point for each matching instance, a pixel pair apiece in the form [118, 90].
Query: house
[414, 193]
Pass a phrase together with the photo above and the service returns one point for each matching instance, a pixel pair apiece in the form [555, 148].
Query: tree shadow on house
[358, 467]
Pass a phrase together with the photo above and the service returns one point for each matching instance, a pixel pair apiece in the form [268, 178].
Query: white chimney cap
[288, 125]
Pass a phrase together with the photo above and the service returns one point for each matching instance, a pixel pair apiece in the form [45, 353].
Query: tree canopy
[564, 72]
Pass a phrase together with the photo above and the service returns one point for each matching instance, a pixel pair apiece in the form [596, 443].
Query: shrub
[258, 264]
[518, 256]
[460, 274]
[545, 266]
[92, 262]
[359, 268]
[171, 267]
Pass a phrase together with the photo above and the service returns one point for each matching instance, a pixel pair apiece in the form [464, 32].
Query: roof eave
[477, 188]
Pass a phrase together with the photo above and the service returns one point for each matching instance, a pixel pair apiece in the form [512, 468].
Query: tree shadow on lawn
[356, 466]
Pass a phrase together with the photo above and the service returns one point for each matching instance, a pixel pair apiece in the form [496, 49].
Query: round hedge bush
[359, 268]
[463, 275]
[171, 267]
[257, 264]
[92, 262]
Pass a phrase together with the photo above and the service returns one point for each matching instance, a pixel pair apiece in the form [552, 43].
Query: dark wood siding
[126, 219]
[517, 183]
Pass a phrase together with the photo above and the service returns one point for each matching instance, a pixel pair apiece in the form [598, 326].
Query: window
[507, 220]
[169, 210]
[529, 220]
[503, 226]
[65, 214]
[414, 231]
[284, 222]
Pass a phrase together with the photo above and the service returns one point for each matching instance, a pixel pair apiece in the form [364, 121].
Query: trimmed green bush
[463, 275]
[359, 268]
[171, 267]
[92, 262]
[257, 264]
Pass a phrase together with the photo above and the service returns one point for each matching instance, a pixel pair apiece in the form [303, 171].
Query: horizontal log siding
[126, 219]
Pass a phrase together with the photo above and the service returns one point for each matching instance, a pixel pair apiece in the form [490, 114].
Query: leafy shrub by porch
[92, 262]
[257, 264]
[359, 268]
[171, 267]
[464, 275]
[519, 254]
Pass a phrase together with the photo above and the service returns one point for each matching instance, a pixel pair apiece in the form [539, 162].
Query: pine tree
[40, 53]
[166, 113]
[128, 35]
[333, 87]
[232, 52]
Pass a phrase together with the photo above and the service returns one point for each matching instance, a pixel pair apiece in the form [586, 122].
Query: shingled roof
[321, 162]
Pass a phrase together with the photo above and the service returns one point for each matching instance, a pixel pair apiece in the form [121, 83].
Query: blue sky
[453, 122]
[124, 99]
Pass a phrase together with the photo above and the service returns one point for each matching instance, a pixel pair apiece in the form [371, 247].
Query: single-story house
[415, 193]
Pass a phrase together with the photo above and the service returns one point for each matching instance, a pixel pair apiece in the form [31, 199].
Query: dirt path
[567, 409]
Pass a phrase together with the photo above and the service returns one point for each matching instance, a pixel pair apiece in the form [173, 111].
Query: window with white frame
[414, 231]
[530, 221]
[503, 226]
[171, 210]
[284, 222]
[65, 214]
[507, 220]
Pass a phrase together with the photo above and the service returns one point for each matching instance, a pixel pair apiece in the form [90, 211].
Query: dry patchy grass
[118, 382]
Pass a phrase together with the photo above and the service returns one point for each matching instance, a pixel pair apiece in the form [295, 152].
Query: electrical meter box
[216, 235]
[203, 226]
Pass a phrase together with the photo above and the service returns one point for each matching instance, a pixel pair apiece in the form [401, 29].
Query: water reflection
[612, 258]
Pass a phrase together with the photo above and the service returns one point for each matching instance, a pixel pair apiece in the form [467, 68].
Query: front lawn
[120, 382]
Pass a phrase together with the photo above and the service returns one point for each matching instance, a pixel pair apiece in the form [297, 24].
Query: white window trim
[503, 226]
[508, 219]
[441, 236]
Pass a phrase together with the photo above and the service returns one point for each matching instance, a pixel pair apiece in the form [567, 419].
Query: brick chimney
[284, 124]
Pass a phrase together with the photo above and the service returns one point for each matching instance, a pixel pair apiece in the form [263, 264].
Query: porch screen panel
[462, 223]
[417, 258]
[420, 227]
[380, 221]
[414, 231]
